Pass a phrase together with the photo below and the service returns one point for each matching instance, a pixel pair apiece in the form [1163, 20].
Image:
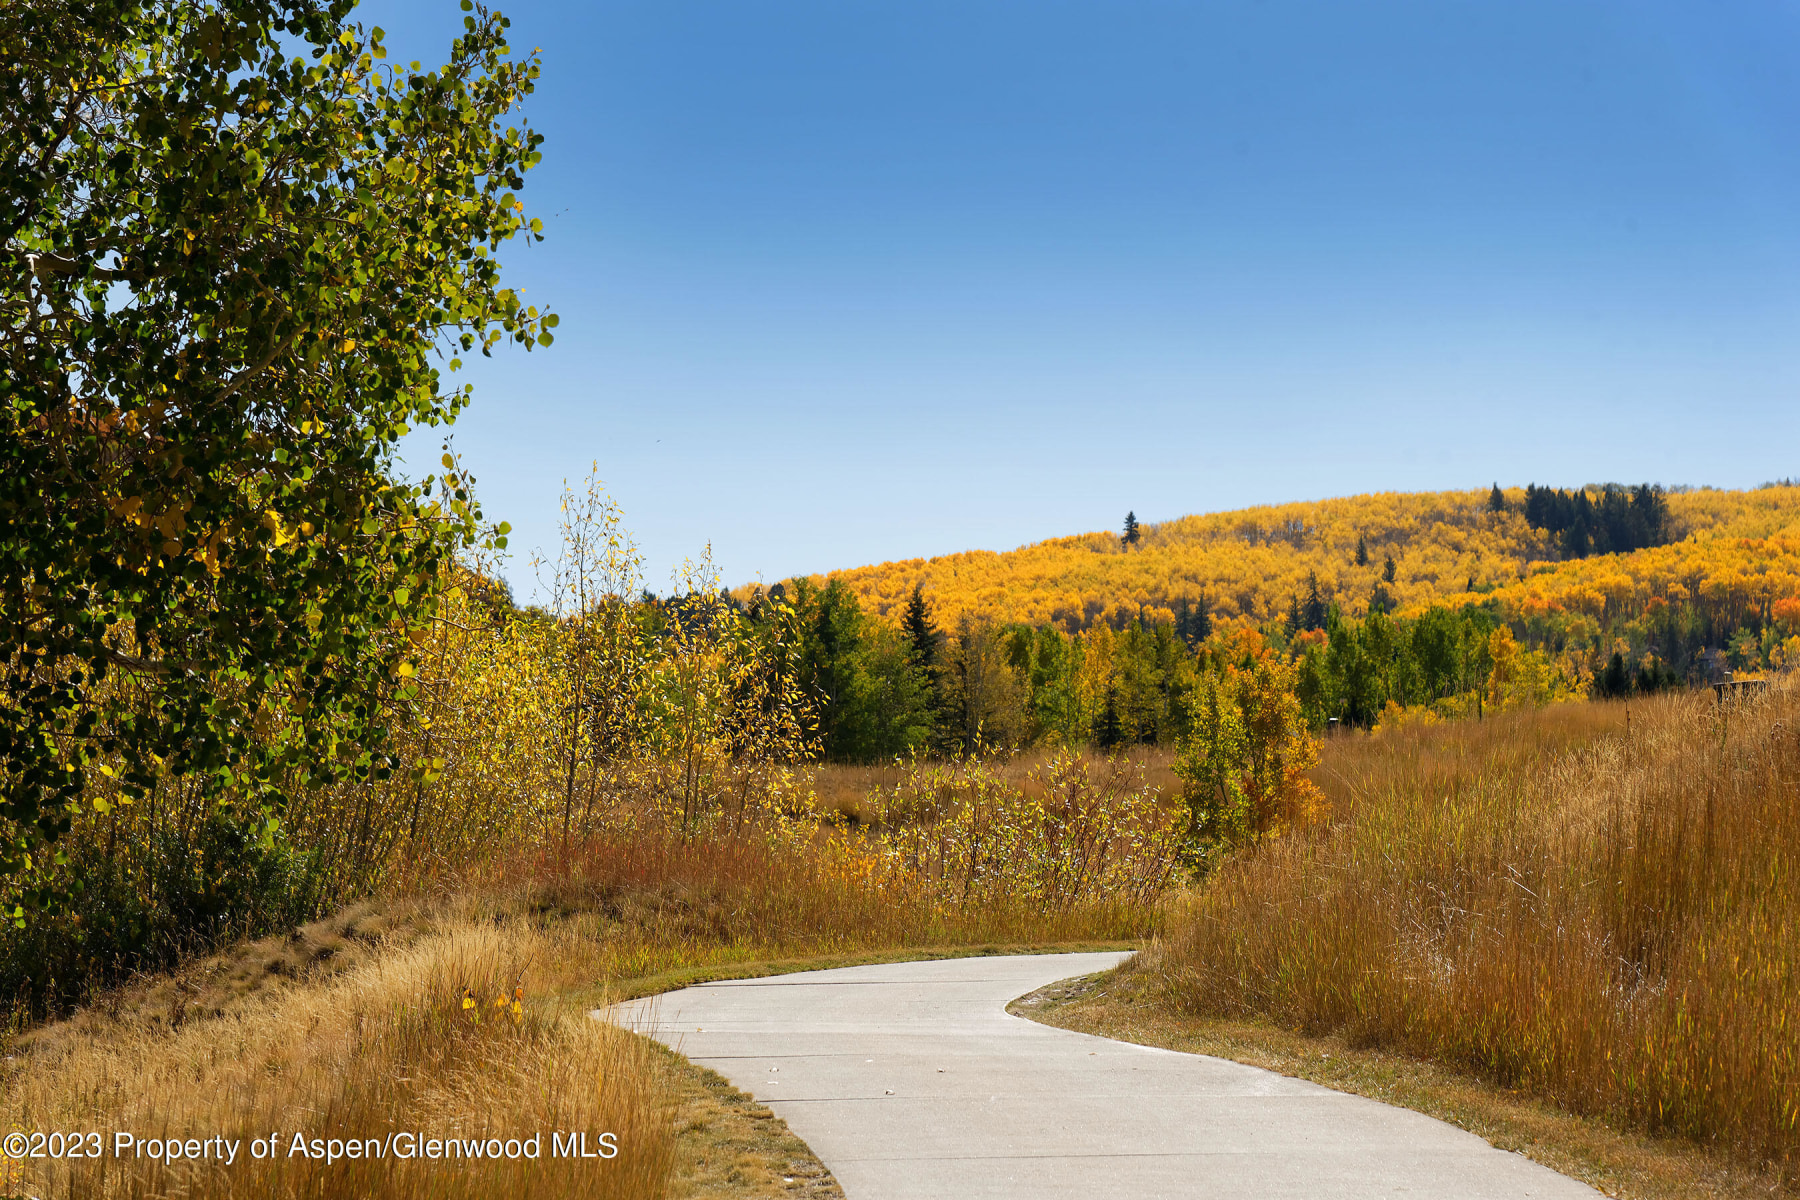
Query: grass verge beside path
[403, 1016]
[1628, 1165]
[726, 1144]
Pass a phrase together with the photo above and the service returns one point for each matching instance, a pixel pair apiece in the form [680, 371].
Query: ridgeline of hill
[1737, 552]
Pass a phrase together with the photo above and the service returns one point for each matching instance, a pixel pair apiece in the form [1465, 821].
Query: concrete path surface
[911, 1080]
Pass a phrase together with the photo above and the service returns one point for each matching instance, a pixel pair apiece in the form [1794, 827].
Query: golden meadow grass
[386, 1046]
[417, 1031]
[1590, 905]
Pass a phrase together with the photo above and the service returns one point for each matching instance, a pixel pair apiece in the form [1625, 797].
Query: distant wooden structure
[1738, 689]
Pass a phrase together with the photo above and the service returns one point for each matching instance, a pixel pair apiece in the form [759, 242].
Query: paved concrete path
[911, 1080]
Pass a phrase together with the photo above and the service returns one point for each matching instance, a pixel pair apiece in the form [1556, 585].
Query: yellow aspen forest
[1736, 547]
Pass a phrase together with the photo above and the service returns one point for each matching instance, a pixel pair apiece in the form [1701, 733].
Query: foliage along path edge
[1623, 1163]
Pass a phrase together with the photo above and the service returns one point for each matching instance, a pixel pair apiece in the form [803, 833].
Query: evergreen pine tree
[1614, 681]
[923, 652]
[1313, 613]
[1109, 731]
[1576, 542]
[1132, 533]
[1387, 570]
[1193, 624]
[1496, 500]
[1362, 551]
[921, 633]
[1651, 512]
[1578, 533]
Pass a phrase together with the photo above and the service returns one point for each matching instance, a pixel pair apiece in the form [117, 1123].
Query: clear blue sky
[844, 282]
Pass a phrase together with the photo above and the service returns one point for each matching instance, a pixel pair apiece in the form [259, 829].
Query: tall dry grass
[388, 1046]
[1600, 909]
[976, 860]
[856, 790]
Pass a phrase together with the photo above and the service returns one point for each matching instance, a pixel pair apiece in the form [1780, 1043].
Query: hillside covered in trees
[1361, 610]
[1248, 564]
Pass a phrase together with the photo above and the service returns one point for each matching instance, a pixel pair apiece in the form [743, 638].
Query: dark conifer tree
[1362, 551]
[1655, 677]
[1535, 504]
[1652, 513]
[1313, 612]
[1575, 542]
[1388, 570]
[1620, 520]
[1614, 682]
[1578, 532]
[1132, 532]
[1193, 624]
[1496, 500]
[924, 641]
[921, 632]
[1109, 731]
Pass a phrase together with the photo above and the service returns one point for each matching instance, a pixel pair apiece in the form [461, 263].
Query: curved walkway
[911, 1080]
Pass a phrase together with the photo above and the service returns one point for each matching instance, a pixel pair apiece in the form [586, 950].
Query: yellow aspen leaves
[282, 533]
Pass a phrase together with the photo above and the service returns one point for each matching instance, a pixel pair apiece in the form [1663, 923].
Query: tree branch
[48, 266]
[153, 666]
[274, 353]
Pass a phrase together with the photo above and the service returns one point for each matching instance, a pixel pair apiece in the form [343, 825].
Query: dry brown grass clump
[1601, 912]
